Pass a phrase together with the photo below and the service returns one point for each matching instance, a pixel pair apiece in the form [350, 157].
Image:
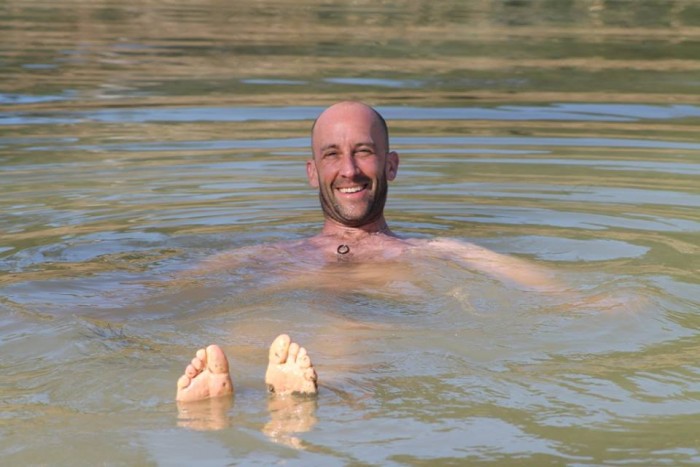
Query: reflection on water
[137, 138]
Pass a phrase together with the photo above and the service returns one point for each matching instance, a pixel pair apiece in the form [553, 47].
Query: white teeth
[353, 189]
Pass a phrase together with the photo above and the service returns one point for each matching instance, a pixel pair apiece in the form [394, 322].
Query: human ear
[312, 173]
[392, 165]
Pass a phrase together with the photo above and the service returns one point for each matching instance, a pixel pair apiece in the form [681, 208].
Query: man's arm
[503, 267]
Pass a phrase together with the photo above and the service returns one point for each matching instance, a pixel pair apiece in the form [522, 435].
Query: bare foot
[205, 377]
[290, 370]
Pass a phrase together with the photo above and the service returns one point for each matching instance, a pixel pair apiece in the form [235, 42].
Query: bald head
[351, 165]
[352, 112]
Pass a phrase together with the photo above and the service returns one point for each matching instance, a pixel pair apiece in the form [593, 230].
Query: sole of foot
[206, 376]
[289, 369]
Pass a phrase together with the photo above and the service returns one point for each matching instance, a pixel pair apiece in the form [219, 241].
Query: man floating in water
[351, 166]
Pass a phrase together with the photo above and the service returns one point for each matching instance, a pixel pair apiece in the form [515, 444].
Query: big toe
[279, 350]
[216, 360]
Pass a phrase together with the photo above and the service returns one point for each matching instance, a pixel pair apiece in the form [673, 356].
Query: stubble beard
[373, 210]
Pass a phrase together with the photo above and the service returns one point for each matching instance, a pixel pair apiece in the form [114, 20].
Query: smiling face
[351, 164]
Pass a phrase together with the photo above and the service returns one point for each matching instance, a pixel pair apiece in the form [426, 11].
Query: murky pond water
[138, 138]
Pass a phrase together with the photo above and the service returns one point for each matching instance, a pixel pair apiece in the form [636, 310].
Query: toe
[303, 360]
[293, 353]
[183, 382]
[216, 360]
[279, 349]
[191, 371]
[197, 364]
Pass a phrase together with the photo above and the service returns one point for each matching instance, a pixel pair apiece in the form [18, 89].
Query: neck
[334, 229]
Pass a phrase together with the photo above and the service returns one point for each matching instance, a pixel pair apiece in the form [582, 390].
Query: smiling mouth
[352, 189]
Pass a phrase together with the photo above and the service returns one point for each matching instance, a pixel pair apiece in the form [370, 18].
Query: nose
[348, 166]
